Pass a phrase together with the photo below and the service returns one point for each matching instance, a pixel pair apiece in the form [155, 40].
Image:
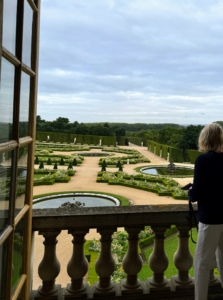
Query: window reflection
[6, 100]
[5, 184]
[17, 254]
[24, 105]
[21, 179]
[27, 34]
[3, 266]
[9, 25]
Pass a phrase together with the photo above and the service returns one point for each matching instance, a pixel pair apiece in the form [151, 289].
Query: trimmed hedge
[80, 138]
[175, 154]
[192, 155]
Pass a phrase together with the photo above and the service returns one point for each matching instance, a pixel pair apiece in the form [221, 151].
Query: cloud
[131, 61]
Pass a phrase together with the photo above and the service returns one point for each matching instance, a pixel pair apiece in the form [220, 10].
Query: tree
[49, 162]
[55, 166]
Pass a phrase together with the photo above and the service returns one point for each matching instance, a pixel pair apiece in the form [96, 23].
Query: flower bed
[162, 185]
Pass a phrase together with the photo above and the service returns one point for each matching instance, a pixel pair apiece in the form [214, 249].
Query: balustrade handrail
[78, 221]
[93, 217]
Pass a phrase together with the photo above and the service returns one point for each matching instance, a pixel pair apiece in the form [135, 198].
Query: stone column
[49, 267]
[132, 263]
[158, 260]
[183, 259]
[77, 266]
[105, 264]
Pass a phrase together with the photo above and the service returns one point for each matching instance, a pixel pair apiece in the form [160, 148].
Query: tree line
[184, 137]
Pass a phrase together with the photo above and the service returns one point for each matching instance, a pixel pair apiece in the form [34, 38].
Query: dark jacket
[207, 188]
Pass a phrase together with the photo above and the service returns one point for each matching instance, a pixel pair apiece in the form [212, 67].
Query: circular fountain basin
[97, 154]
[162, 170]
[89, 199]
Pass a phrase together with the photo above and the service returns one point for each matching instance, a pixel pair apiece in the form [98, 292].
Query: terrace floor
[85, 180]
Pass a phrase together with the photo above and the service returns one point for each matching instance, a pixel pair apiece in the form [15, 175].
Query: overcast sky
[132, 61]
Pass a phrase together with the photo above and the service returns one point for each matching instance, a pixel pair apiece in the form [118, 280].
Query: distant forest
[184, 137]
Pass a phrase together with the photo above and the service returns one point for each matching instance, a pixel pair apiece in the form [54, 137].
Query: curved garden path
[85, 180]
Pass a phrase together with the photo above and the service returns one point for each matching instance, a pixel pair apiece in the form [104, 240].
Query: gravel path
[85, 180]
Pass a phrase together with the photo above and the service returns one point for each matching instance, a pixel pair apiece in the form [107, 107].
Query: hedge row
[80, 138]
[137, 141]
[175, 154]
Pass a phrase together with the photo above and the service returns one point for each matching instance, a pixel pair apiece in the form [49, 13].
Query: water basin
[163, 171]
[89, 200]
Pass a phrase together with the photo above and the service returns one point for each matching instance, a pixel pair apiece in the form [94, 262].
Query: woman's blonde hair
[211, 138]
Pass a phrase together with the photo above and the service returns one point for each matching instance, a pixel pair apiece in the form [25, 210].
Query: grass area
[37, 176]
[124, 201]
[171, 245]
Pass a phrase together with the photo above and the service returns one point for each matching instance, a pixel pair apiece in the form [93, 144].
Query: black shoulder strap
[192, 217]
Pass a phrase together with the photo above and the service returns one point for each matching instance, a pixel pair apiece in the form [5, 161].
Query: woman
[207, 191]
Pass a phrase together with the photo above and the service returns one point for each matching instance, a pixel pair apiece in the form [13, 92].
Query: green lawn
[171, 245]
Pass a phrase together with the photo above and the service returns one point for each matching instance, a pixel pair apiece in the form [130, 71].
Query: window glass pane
[9, 25]
[3, 265]
[21, 179]
[5, 184]
[17, 254]
[6, 100]
[24, 105]
[27, 34]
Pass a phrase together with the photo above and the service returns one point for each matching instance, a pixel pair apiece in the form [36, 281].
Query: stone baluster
[105, 264]
[77, 266]
[158, 260]
[132, 263]
[183, 259]
[49, 267]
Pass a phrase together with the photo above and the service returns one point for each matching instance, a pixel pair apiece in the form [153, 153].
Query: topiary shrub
[36, 162]
[55, 166]
[61, 162]
[49, 162]
[70, 166]
[74, 162]
[41, 165]
[104, 165]
[118, 164]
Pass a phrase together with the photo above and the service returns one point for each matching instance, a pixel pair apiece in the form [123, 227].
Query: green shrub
[61, 162]
[36, 162]
[74, 162]
[55, 166]
[49, 162]
[70, 166]
[41, 166]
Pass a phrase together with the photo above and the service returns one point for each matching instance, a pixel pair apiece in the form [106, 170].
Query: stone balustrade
[78, 222]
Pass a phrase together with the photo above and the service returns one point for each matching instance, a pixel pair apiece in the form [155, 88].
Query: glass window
[9, 25]
[17, 254]
[5, 184]
[6, 100]
[21, 179]
[27, 34]
[3, 266]
[24, 105]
